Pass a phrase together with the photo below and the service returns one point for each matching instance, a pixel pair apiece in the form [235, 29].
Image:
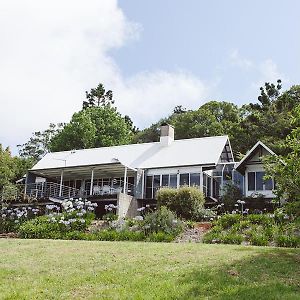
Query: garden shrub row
[258, 230]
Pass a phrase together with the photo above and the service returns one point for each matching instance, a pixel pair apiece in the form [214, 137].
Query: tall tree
[39, 144]
[98, 97]
[286, 169]
[93, 127]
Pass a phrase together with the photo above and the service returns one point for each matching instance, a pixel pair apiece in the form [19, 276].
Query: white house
[251, 167]
[130, 175]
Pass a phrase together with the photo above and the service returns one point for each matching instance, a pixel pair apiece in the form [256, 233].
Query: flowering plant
[11, 218]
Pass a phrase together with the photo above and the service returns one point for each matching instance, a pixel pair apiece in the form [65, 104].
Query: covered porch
[95, 182]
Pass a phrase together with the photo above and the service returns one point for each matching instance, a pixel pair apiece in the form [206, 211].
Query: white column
[125, 181]
[61, 182]
[143, 183]
[92, 179]
[201, 180]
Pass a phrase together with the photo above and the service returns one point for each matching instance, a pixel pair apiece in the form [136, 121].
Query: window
[173, 180]
[165, 180]
[156, 184]
[195, 179]
[149, 180]
[184, 179]
[251, 181]
[259, 181]
[256, 182]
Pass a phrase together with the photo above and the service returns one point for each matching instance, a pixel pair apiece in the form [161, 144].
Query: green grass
[53, 269]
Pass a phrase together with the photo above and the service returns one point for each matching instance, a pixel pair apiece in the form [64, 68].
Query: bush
[166, 197]
[259, 240]
[230, 195]
[162, 220]
[160, 237]
[232, 238]
[228, 220]
[186, 201]
[12, 218]
[260, 219]
[110, 216]
[287, 241]
[205, 214]
[77, 217]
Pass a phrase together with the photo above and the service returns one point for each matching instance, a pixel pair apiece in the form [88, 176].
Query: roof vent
[166, 134]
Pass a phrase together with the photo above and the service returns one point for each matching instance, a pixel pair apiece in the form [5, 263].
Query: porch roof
[187, 152]
[84, 172]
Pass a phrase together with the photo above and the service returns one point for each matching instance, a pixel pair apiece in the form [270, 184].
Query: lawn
[54, 269]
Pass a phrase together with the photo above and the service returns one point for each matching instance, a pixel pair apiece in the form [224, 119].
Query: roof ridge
[138, 144]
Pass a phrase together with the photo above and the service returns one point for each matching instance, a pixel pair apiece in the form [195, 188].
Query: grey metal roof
[187, 152]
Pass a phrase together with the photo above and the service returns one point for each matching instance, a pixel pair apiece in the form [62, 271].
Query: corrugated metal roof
[187, 152]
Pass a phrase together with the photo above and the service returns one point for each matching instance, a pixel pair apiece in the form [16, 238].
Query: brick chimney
[166, 134]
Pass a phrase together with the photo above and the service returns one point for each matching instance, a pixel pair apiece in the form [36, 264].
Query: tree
[286, 169]
[98, 97]
[97, 126]
[38, 145]
[12, 168]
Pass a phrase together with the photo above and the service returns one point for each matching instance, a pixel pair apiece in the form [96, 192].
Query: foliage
[230, 195]
[93, 127]
[98, 97]
[286, 169]
[76, 216]
[12, 168]
[162, 220]
[186, 202]
[39, 143]
[272, 112]
[11, 218]
[228, 220]
[258, 230]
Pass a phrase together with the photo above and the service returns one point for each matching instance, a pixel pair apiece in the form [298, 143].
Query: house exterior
[251, 167]
[130, 175]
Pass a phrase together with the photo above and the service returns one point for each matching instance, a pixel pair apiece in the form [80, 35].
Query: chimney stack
[166, 134]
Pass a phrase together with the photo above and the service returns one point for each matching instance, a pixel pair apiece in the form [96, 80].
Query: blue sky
[202, 36]
[154, 55]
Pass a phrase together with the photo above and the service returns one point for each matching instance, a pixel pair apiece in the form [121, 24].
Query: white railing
[47, 190]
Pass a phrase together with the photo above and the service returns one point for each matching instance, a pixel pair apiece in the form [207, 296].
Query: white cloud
[237, 60]
[266, 70]
[150, 96]
[269, 72]
[52, 51]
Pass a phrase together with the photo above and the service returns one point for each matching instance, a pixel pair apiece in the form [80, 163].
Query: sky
[153, 55]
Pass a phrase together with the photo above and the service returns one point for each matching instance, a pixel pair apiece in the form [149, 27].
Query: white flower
[139, 218]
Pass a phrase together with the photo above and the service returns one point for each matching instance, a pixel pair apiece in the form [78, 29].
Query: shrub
[213, 237]
[228, 220]
[287, 241]
[230, 195]
[232, 238]
[110, 216]
[77, 216]
[12, 218]
[260, 219]
[162, 220]
[166, 197]
[160, 237]
[205, 214]
[259, 240]
[186, 201]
